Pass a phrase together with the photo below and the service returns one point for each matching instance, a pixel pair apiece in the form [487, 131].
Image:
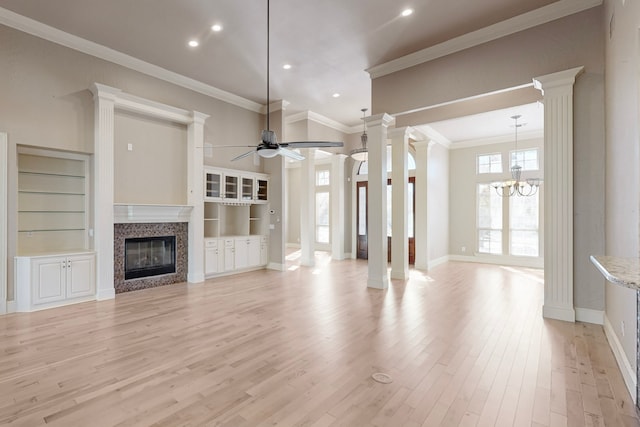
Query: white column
[377, 204]
[307, 208]
[422, 213]
[557, 89]
[103, 158]
[337, 206]
[400, 194]
[195, 196]
[4, 195]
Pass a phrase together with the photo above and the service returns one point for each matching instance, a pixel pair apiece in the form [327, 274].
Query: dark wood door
[362, 194]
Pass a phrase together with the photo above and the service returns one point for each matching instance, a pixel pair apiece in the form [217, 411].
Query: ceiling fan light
[268, 153]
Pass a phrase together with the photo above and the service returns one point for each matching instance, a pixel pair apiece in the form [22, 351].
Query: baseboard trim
[275, 266]
[438, 261]
[588, 315]
[500, 260]
[105, 294]
[559, 313]
[11, 307]
[195, 278]
[628, 375]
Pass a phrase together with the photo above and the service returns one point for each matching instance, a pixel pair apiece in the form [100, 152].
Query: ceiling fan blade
[233, 146]
[242, 156]
[290, 154]
[307, 144]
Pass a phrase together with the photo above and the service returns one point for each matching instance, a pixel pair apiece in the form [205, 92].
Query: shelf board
[212, 219]
[50, 230]
[49, 192]
[47, 211]
[23, 172]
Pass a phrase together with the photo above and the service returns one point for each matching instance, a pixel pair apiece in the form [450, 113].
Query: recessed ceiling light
[216, 27]
[407, 12]
[287, 66]
[193, 43]
[336, 95]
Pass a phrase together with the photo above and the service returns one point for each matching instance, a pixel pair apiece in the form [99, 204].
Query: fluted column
[399, 198]
[422, 213]
[103, 164]
[557, 89]
[377, 204]
[4, 195]
[195, 190]
[337, 206]
[307, 208]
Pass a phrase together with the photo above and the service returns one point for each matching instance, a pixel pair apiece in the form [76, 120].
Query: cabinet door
[242, 253]
[253, 251]
[229, 255]
[211, 261]
[246, 190]
[262, 189]
[80, 276]
[49, 277]
[213, 185]
[231, 187]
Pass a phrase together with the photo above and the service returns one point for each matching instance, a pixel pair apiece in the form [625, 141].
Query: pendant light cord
[268, 106]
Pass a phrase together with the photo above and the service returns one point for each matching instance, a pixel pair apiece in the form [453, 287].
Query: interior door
[362, 220]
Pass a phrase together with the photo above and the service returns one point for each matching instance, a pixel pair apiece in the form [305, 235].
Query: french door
[362, 195]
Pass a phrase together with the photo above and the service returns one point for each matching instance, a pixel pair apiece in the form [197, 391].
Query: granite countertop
[620, 271]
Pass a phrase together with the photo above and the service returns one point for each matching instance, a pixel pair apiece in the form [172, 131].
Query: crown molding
[543, 15]
[46, 32]
[319, 118]
[431, 134]
[522, 136]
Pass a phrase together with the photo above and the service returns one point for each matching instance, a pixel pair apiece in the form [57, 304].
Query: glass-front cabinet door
[246, 190]
[213, 185]
[262, 189]
[231, 187]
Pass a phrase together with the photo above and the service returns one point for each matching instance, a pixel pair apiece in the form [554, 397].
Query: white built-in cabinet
[54, 279]
[54, 265]
[236, 220]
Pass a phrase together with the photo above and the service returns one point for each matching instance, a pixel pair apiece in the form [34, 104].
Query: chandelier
[361, 154]
[516, 186]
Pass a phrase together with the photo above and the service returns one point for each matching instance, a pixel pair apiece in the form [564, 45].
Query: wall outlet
[463, 249]
[130, 147]
[622, 327]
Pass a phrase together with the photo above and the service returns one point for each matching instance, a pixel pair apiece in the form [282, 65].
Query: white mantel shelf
[128, 213]
[620, 271]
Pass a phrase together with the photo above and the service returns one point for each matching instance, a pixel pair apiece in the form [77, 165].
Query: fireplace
[149, 256]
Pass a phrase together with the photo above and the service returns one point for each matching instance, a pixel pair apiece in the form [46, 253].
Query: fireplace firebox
[149, 256]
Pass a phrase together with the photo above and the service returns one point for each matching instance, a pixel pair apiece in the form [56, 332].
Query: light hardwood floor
[465, 344]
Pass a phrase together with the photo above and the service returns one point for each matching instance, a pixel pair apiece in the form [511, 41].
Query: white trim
[325, 121]
[588, 315]
[46, 32]
[127, 213]
[4, 194]
[500, 260]
[275, 266]
[105, 294]
[480, 142]
[559, 313]
[543, 15]
[626, 369]
[438, 261]
[11, 307]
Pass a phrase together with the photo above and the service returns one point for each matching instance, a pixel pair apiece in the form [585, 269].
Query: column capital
[280, 105]
[404, 132]
[383, 119]
[560, 79]
[199, 118]
[101, 91]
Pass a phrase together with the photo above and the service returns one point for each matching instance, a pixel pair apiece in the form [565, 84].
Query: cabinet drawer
[228, 243]
[211, 243]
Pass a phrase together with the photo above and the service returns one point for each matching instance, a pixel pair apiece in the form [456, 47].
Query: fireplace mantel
[130, 213]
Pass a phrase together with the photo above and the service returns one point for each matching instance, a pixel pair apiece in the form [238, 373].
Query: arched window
[364, 166]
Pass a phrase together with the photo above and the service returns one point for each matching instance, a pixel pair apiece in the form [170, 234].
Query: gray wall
[622, 158]
[438, 190]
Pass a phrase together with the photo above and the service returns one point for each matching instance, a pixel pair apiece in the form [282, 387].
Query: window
[523, 225]
[322, 178]
[364, 166]
[322, 217]
[528, 159]
[489, 163]
[489, 220]
[323, 200]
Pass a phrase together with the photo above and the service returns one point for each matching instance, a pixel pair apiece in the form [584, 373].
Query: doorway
[362, 195]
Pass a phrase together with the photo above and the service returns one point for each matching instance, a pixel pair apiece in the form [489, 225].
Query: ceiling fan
[269, 146]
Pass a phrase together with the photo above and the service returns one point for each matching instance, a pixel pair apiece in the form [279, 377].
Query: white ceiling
[329, 43]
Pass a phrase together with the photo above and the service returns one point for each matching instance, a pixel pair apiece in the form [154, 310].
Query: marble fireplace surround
[150, 221]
